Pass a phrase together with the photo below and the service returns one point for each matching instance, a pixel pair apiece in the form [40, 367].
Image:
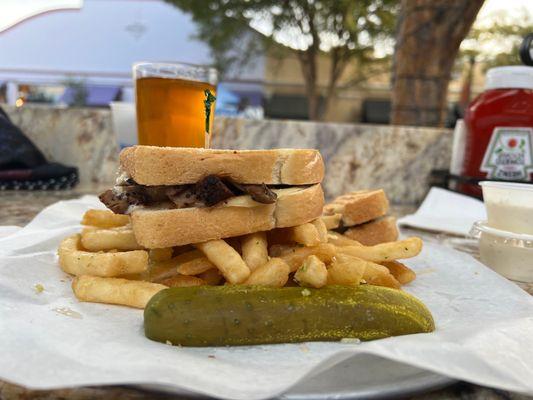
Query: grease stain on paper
[425, 271]
[67, 312]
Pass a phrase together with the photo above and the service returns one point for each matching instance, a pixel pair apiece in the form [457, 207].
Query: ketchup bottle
[499, 124]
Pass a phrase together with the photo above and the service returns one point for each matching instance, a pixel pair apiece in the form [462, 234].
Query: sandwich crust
[176, 227]
[150, 165]
[359, 207]
[380, 230]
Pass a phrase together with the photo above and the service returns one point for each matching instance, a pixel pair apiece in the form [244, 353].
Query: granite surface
[398, 159]
[18, 208]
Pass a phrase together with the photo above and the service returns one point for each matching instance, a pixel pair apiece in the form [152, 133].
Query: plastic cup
[124, 123]
[509, 206]
[509, 254]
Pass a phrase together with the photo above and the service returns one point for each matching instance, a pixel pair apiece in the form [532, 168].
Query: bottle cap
[515, 76]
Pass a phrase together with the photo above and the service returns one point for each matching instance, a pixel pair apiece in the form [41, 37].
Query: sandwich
[362, 216]
[179, 196]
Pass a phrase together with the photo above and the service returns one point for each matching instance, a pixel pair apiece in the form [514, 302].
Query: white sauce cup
[509, 206]
[509, 254]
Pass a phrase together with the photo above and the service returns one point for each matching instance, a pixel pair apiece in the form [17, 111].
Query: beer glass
[175, 103]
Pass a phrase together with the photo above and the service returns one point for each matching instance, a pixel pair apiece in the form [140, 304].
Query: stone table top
[18, 208]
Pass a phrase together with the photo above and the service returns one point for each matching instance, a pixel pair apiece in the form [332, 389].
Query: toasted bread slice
[359, 207]
[155, 228]
[380, 230]
[149, 165]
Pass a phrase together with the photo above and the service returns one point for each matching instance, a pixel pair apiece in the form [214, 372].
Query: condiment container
[509, 206]
[509, 254]
[499, 125]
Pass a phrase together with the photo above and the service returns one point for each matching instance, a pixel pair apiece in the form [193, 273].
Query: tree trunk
[309, 69]
[466, 87]
[427, 42]
[313, 101]
[337, 65]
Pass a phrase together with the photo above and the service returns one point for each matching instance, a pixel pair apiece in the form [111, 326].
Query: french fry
[226, 259]
[312, 273]
[78, 262]
[332, 221]
[183, 281]
[114, 290]
[163, 254]
[195, 266]
[305, 234]
[401, 272]
[109, 239]
[254, 250]
[389, 251]
[211, 277]
[346, 271]
[338, 239]
[104, 219]
[296, 256]
[321, 229]
[160, 270]
[379, 275]
[274, 273]
[277, 250]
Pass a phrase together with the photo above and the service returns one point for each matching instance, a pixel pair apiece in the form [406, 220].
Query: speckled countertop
[18, 208]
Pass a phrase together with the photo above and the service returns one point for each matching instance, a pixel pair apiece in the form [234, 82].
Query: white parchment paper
[484, 329]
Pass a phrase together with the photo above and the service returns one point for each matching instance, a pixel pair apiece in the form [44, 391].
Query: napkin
[446, 211]
[49, 340]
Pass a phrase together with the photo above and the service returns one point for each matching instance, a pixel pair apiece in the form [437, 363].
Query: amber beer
[173, 110]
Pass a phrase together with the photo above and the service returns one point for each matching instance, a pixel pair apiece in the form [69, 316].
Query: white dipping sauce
[516, 218]
[509, 206]
[506, 258]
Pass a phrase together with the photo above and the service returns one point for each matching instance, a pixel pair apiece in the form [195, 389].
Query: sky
[513, 6]
[514, 9]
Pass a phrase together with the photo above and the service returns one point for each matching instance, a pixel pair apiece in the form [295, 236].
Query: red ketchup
[499, 124]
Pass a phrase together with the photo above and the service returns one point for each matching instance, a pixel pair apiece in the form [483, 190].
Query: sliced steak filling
[208, 192]
[260, 193]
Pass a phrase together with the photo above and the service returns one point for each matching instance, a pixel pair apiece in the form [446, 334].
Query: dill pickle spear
[246, 315]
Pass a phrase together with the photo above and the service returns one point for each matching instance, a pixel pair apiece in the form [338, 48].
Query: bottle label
[509, 154]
